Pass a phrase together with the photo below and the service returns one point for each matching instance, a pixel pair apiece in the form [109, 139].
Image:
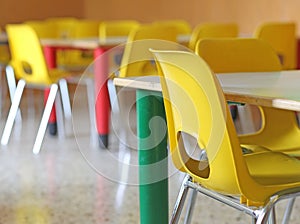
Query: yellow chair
[139, 41]
[116, 28]
[279, 129]
[55, 28]
[28, 65]
[195, 106]
[43, 28]
[78, 60]
[85, 28]
[213, 30]
[282, 37]
[64, 25]
[137, 61]
[72, 28]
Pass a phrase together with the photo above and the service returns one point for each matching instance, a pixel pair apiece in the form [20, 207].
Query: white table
[94, 42]
[273, 89]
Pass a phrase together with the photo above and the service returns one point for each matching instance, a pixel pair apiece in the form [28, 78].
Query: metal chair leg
[65, 98]
[45, 118]
[190, 207]
[192, 201]
[272, 216]
[288, 211]
[1, 90]
[13, 112]
[122, 101]
[59, 116]
[11, 82]
[91, 104]
[180, 200]
[113, 96]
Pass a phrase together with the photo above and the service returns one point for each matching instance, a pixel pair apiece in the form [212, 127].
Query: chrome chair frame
[260, 215]
[16, 92]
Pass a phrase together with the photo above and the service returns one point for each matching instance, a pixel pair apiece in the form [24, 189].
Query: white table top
[86, 43]
[94, 42]
[273, 89]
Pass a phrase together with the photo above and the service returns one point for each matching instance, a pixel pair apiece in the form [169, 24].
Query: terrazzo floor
[73, 181]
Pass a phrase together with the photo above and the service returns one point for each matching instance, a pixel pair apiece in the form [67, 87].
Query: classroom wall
[248, 14]
[14, 11]
[251, 13]
[193, 11]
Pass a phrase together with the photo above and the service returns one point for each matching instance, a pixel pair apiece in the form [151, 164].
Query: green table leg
[153, 162]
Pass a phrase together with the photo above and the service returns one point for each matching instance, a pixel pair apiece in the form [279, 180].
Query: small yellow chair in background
[73, 28]
[78, 60]
[56, 28]
[274, 129]
[139, 41]
[277, 129]
[213, 30]
[116, 28]
[138, 61]
[64, 25]
[28, 65]
[43, 28]
[195, 105]
[282, 37]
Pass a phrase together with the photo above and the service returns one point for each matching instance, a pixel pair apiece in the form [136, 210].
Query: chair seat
[295, 152]
[273, 168]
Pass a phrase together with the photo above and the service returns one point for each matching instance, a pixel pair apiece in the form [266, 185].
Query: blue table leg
[153, 162]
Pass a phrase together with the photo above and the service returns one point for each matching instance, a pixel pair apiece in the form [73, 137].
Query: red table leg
[102, 104]
[50, 56]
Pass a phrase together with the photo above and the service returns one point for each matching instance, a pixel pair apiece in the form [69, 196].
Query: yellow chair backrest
[115, 28]
[182, 26]
[43, 29]
[84, 29]
[279, 128]
[72, 28]
[27, 56]
[238, 55]
[137, 60]
[213, 30]
[64, 25]
[77, 29]
[282, 37]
